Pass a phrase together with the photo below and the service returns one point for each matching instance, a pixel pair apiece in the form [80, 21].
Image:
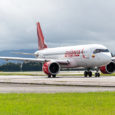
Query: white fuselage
[88, 56]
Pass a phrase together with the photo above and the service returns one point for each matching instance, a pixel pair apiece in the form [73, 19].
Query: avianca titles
[90, 56]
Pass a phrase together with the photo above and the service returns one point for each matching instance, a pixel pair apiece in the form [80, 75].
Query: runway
[31, 88]
[103, 81]
[42, 84]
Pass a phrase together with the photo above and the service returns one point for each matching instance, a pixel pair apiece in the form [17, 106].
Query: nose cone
[107, 58]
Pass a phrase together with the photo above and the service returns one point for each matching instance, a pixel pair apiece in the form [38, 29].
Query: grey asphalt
[31, 88]
[103, 81]
[42, 84]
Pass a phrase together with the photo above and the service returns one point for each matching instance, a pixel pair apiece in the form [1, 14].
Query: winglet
[41, 43]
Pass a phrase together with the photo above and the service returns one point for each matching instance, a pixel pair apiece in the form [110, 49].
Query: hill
[10, 53]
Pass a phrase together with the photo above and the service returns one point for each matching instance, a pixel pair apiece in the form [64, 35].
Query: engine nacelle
[108, 69]
[51, 68]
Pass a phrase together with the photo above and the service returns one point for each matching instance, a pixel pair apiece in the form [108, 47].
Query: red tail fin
[41, 43]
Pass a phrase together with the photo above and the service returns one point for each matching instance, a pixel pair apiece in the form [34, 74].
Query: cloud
[64, 22]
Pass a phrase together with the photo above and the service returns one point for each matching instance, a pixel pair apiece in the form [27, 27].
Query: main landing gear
[89, 74]
[49, 76]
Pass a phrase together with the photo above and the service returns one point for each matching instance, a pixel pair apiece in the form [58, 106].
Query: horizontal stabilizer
[22, 53]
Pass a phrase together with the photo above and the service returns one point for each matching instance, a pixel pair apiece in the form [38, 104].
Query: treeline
[31, 66]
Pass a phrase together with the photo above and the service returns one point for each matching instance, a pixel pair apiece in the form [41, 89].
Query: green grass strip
[58, 104]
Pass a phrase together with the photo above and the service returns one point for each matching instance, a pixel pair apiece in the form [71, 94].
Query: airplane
[90, 56]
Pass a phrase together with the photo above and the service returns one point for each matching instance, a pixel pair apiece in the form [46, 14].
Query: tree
[31, 66]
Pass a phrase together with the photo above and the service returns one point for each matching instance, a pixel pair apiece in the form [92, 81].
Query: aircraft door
[86, 56]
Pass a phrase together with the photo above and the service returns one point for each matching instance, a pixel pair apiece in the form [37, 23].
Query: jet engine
[51, 68]
[108, 69]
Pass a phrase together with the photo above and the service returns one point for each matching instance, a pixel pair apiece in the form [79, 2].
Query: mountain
[10, 53]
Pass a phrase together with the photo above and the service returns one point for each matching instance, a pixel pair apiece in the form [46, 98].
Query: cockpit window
[100, 50]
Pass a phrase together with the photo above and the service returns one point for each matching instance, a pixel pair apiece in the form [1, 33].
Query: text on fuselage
[74, 53]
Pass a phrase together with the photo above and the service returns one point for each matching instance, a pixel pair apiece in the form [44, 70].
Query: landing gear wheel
[54, 76]
[90, 74]
[97, 74]
[85, 74]
[49, 76]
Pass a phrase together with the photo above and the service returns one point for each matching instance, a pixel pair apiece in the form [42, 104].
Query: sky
[63, 22]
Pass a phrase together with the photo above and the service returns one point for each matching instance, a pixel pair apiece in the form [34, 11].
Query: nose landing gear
[97, 74]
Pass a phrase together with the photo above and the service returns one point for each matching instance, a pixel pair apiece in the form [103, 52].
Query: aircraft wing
[34, 59]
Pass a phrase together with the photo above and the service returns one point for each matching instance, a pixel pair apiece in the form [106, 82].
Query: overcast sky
[64, 22]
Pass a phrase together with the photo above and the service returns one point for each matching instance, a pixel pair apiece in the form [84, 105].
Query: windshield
[100, 50]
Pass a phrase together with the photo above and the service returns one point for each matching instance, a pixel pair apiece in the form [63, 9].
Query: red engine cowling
[108, 69]
[51, 68]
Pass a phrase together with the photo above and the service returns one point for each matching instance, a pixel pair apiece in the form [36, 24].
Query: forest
[30, 66]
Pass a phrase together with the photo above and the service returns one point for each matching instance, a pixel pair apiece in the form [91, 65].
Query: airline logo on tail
[41, 43]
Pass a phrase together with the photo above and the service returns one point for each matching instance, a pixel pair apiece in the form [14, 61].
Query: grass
[42, 74]
[58, 104]
[23, 73]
